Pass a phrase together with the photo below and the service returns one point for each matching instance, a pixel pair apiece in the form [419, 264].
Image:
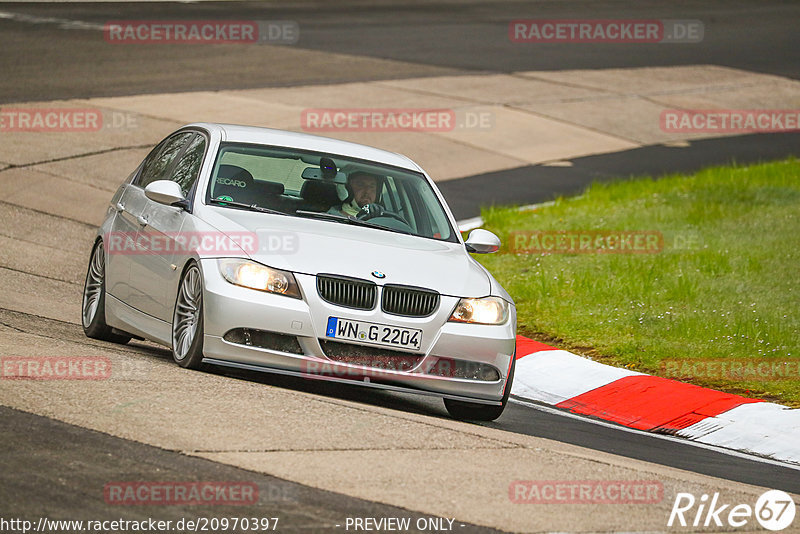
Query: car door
[158, 167]
[120, 241]
[159, 270]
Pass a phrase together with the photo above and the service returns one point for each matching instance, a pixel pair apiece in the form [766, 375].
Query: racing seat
[236, 183]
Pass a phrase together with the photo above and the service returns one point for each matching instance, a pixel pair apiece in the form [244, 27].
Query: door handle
[119, 207]
[142, 220]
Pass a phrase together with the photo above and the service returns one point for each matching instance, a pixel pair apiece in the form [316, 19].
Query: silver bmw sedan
[289, 253]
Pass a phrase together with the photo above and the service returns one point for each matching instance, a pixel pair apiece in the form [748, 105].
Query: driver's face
[365, 189]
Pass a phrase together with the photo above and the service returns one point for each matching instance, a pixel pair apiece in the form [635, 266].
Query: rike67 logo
[774, 510]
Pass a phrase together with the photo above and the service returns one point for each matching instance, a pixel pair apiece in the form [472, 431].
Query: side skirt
[120, 315]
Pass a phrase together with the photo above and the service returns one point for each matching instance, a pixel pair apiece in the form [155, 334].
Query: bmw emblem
[378, 274]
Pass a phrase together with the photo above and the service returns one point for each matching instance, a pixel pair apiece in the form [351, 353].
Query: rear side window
[159, 162]
[188, 167]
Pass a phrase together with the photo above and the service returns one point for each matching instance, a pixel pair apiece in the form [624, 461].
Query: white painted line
[667, 437]
[532, 207]
[465, 225]
[65, 24]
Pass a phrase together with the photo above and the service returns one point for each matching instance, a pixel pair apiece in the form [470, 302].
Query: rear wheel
[187, 320]
[472, 411]
[93, 309]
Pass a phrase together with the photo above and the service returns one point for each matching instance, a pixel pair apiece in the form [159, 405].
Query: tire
[93, 304]
[472, 411]
[187, 320]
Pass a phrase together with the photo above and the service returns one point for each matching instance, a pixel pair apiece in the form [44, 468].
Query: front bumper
[228, 307]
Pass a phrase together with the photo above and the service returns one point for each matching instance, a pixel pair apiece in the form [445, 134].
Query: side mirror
[165, 192]
[482, 241]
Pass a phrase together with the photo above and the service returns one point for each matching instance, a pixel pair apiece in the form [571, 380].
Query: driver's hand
[371, 210]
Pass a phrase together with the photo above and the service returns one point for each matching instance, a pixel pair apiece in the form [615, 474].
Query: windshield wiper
[349, 219]
[389, 228]
[322, 215]
[254, 207]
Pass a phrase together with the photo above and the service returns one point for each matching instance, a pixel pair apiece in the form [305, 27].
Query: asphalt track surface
[86, 461]
[49, 58]
[466, 196]
[379, 40]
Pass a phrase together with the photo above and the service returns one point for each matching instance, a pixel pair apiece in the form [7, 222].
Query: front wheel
[187, 320]
[93, 305]
[472, 411]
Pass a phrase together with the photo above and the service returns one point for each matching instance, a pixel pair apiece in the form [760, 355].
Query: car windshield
[327, 187]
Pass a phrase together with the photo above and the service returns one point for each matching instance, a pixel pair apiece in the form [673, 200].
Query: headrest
[270, 188]
[319, 191]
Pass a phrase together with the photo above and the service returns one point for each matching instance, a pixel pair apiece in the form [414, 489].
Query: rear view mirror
[315, 173]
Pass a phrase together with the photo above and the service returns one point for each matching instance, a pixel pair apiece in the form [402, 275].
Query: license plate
[374, 333]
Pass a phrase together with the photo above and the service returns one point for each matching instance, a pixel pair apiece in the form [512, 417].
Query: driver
[362, 188]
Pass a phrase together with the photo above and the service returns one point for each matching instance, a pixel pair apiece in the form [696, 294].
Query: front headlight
[487, 310]
[250, 274]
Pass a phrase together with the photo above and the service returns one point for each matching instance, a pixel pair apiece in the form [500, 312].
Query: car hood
[314, 246]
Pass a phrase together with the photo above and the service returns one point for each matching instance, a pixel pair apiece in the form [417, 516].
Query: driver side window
[159, 162]
[188, 167]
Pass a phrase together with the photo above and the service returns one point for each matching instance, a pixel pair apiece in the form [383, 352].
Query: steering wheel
[371, 211]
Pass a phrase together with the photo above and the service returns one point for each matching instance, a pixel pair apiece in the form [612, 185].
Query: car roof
[269, 136]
